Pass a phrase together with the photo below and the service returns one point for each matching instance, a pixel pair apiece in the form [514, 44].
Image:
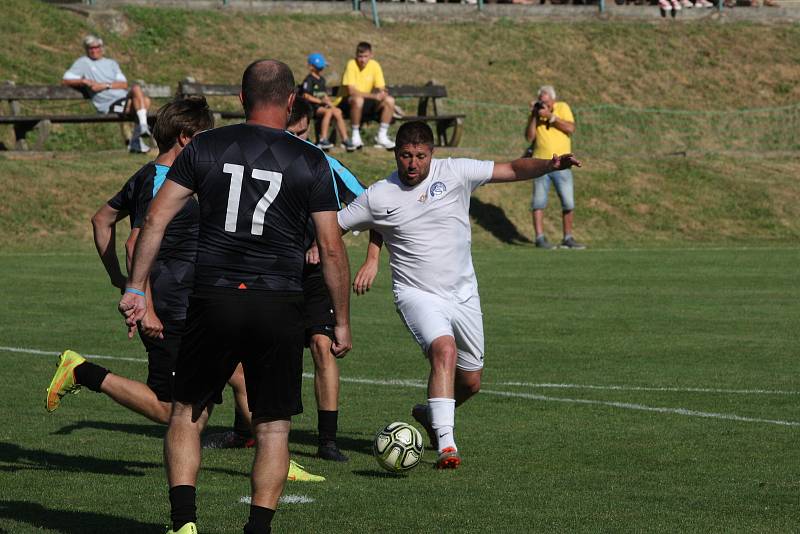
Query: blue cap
[317, 61]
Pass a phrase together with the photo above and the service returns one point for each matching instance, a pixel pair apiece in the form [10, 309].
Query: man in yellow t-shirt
[550, 126]
[363, 95]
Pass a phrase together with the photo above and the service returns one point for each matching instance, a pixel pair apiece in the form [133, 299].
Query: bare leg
[325, 125]
[138, 98]
[136, 396]
[538, 222]
[326, 373]
[271, 464]
[566, 219]
[356, 106]
[442, 356]
[468, 383]
[341, 127]
[182, 444]
[236, 381]
[387, 109]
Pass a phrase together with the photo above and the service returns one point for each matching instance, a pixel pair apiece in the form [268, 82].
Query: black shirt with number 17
[257, 187]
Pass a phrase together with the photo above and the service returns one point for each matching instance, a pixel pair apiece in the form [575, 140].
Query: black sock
[260, 520]
[183, 509]
[90, 375]
[241, 426]
[327, 425]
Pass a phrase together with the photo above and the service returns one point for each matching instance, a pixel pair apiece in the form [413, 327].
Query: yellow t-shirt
[366, 80]
[549, 139]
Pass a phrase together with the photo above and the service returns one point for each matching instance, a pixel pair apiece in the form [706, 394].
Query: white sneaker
[356, 139]
[137, 146]
[144, 131]
[665, 5]
[383, 141]
[676, 5]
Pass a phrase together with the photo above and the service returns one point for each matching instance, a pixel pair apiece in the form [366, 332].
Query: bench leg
[442, 126]
[44, 133]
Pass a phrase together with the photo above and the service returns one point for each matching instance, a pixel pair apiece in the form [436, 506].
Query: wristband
[134, 291]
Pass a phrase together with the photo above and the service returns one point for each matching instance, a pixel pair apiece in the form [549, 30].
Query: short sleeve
[141, 203]
[182, 171]
[305, 87]
[123, 200]
[350, 76]
[474, 172]
[356, 215]
[118, 75]
[565, 112]
[379, 83]
[75, 72]
[323, 195]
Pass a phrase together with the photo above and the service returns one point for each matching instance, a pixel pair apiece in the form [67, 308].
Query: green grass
[536, 459]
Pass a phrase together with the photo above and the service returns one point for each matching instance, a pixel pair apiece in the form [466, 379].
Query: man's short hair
[414, 133]
[92, 40]
[301, 108]
[266, 82]
[186, 116]
[549, 89]
[363, 46]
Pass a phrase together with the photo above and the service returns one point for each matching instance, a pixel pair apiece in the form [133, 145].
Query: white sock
[383, 130]
[443, 419]
[142, 114]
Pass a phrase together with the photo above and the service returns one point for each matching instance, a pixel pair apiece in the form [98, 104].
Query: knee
[472, 385]
[356, 101]
[321, 352]
[443, 355]
[336, 112]
[389, 100]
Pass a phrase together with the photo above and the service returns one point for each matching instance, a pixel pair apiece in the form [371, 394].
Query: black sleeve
[143, 196]
[305, 87]
[182, 171]
[323, 190]
[123, 200]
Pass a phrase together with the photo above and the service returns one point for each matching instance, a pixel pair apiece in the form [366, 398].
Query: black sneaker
[571, 243]
[330, 451]
[324, 144]
[227, 440]
[542, 242]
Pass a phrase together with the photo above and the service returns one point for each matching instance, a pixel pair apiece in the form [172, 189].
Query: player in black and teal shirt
[314, 91]
[171, 280]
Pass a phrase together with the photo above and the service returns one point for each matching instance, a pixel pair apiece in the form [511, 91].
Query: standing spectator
[101, 79]
[314, 91]
[550, 126]
[364, 96]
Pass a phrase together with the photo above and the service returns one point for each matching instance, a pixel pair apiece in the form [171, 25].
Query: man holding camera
[550, 127]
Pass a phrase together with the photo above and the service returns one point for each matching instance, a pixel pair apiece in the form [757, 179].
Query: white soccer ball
[398, 447]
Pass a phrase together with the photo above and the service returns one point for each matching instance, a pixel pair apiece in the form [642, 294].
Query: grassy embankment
[632, 191]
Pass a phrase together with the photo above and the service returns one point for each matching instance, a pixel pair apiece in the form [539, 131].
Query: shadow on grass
[378, 473]
[70, 521]
[493, 219]
[347, 444]
[19, 459]
[153, 430]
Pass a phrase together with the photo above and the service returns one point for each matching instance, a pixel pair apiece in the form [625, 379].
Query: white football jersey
[426, 227]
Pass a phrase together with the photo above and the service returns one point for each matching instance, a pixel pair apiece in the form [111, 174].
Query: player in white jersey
[421, 211]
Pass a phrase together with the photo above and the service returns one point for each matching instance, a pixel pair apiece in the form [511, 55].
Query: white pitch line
[284, 499]
[421, 385]
[648, 388]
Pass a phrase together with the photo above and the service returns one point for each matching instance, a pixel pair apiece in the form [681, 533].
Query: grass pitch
[628, 391]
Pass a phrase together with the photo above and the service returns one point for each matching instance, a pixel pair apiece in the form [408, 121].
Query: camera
[537, 107]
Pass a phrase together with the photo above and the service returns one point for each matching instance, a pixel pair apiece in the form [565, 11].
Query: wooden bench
[41, 121]
[449, 127]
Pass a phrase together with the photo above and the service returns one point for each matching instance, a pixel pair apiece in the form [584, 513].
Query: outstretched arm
[369, 269]
[530, 168]
[169, 201]
[104, 229]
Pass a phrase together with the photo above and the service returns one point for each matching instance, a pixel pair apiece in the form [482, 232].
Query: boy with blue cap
[313, 90]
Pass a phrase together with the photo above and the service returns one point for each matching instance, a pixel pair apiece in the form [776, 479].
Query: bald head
[266, 82]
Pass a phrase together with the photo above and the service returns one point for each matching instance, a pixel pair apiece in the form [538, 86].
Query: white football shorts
[429, 316]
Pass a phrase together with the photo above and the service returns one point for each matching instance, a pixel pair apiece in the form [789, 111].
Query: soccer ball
[398, 447]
